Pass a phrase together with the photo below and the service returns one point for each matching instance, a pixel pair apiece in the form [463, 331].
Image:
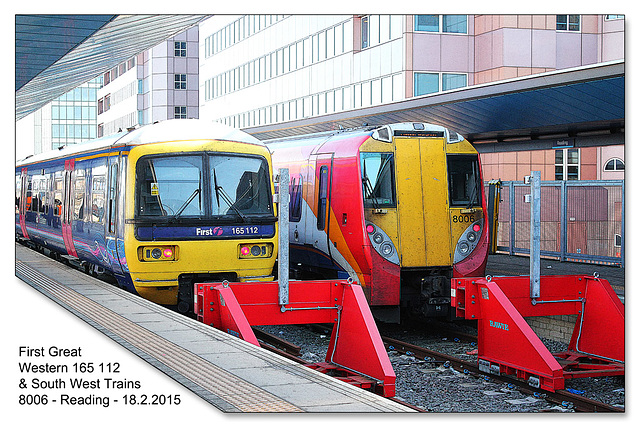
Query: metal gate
[580, 220]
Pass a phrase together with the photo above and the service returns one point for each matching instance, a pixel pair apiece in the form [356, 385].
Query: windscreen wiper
[220, 192]
[369, 191]
[185, 204]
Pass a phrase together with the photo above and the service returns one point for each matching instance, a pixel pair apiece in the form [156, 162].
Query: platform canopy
[571, 101]
[56, 53]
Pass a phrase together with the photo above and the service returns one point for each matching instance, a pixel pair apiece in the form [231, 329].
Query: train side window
[98, 185]
[28, 195]
[57, 194]
[78, 195]
[295, 194]
[322, 197]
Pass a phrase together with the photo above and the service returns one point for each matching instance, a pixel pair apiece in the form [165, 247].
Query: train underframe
[425, 292]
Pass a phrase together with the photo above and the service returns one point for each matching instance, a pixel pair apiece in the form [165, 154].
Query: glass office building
[74, 115]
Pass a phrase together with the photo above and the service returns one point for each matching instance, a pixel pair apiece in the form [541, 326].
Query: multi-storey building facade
[158, 84]
[69, 119]
[264, 69]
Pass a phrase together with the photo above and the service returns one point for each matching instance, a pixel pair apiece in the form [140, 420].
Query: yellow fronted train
[398, 208]
[158, 208]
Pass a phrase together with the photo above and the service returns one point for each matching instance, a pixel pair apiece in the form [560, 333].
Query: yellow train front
[197, 210]
[398, 208]
[423, 193]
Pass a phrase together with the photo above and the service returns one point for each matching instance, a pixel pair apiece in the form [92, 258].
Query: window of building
[430, 23]
[364, 24]
[453, 81]
[180, 81]
[425, 83]
[456, 24]
[180, 49]
[567, 164]
[180, 112]
[614, 165]
[568, 22]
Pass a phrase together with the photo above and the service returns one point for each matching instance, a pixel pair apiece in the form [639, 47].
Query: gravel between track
[435, 388]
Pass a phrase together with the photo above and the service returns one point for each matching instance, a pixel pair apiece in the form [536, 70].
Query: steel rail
[561, 397]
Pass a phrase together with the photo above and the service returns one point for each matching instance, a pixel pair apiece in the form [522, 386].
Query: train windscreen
[464, 180]
[378, 184]
[199, 185]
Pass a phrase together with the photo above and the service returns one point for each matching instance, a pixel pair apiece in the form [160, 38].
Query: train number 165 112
[245, 230]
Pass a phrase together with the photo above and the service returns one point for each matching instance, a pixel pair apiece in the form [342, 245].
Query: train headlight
[255, 250]
[382, 243]
[157, 253]
[468, 241]
[386, 249]
[463, 248]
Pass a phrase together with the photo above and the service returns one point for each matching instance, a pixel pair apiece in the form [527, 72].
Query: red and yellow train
[399, 208]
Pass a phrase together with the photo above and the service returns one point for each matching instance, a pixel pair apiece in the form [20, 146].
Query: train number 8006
[467, 219]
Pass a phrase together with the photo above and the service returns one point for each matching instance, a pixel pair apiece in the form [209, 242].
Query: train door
[423, 216]
[67, 209]
[317, 226]
[113, 210]
[24, 179]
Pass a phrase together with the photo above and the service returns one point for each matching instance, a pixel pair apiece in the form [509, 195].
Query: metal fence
[580, 220]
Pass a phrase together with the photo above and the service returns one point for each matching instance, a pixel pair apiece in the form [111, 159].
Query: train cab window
[322, 197]
[169, 186]
[464, 180]
[378, 181]
[240, 185]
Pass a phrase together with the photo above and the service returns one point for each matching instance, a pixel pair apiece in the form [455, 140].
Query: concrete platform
[227, 372]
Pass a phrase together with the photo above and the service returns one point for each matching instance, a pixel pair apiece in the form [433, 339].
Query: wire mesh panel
[504, 217]
[594, 221]
[580, 220]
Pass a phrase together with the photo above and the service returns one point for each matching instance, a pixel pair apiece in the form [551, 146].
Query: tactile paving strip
[244, 396]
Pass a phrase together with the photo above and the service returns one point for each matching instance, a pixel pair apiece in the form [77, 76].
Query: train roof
[379, 132]
[165, 131]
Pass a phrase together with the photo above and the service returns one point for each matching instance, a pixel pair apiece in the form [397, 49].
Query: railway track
[560, 397]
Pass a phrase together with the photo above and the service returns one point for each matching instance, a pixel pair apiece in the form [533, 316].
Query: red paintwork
[342, 156]
[355, 341]
[508, 342]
